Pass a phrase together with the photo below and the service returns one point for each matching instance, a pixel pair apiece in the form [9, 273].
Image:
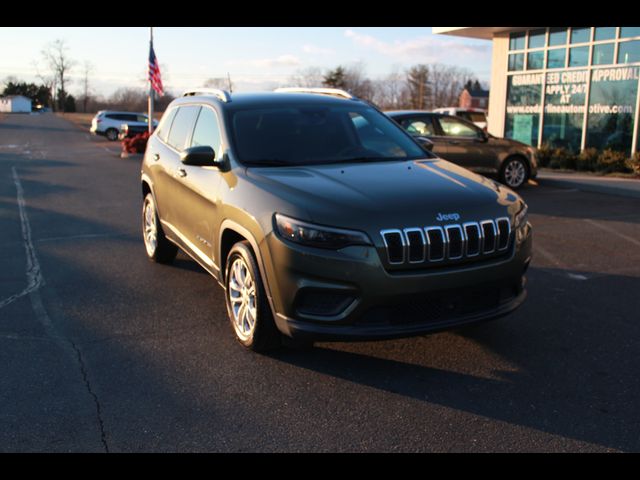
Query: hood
[386, 194]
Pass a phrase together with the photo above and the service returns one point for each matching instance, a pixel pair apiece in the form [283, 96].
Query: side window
[419, 127]
[165, 124]
[207, 131]
[455, 128]
[182, 126]
[141, 118]
[131, 117]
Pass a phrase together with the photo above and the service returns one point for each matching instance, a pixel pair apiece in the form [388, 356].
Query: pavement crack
[85, 377]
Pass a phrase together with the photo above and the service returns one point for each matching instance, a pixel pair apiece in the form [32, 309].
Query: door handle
[156, 157]
[182, 173]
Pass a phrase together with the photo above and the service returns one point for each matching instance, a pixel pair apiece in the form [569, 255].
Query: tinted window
[557, 36]
[626, 32]
[555, 58]
[578, 56]
[629, 52]
[455, 128]
[516, 41]
[516, 62]
[604, 33]
[165, 124]
[206, 131]
[182, 126]
[314, 134]
[535, 60]
[603, 54]
[141, 118]
[419, 127]
[580, 35]
[537, 38]
[130, 117]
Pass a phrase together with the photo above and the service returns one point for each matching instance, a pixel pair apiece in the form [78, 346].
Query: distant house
[15, 104]
[474, 97]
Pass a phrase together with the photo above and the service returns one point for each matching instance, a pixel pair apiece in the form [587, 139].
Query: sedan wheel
[514, 173]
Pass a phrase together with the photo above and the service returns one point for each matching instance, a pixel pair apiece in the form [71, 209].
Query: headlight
[316, 235]
[521, 216]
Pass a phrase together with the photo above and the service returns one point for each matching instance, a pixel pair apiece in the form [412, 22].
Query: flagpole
[150, 85]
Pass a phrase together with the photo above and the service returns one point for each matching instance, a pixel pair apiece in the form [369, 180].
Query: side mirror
[201, 156]
[483, 136]
[426, 143]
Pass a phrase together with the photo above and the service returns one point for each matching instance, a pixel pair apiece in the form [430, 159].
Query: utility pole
[229, 83]
[150, 85]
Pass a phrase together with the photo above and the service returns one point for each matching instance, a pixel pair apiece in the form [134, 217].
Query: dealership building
[575, 87]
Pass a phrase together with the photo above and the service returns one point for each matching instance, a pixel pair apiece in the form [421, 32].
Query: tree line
[421, 86]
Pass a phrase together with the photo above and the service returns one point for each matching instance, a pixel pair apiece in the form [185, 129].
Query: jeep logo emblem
[447, 216]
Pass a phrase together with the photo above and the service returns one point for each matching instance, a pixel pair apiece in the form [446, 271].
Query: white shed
[15, 104]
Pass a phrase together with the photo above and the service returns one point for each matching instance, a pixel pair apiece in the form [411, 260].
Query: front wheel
[514, 173]
[112, 134]
[158, 248]
[247, 305]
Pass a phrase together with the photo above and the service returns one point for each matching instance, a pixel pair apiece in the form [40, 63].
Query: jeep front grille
[448, 243]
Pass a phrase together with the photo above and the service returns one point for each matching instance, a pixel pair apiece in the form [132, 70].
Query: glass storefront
[565, 94]
[524, 95]
[612, 101]
[556, 76]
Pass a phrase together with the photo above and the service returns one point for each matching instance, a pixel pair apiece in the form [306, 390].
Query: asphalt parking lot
[101, 350]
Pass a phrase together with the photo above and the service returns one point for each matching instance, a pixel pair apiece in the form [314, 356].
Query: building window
[524, 94]
[516, 41]
[535, 60]
[537, 38]
[578, 56]
[557, 36]
[602, 54]
[580, 35]
[629, 52]
[556, 57]
[604, 33]
[612, 100]
[564, 109]
[626, 32]
[516, 62]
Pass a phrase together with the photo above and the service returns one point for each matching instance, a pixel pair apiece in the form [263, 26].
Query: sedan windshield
[313, 134]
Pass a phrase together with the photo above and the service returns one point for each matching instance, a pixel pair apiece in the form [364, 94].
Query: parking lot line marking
[612, 231]
[548, 255]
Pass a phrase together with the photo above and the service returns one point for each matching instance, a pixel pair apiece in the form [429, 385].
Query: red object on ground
[135, 144]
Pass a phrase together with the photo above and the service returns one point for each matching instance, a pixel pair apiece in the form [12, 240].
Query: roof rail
[223, 95]
[336, 92]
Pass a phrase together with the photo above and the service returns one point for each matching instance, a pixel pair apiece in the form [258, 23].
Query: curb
[590, 187]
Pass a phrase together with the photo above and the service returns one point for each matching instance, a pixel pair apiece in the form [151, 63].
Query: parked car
[477, 116]
[323, 219]
[463, 143]
[108, 123]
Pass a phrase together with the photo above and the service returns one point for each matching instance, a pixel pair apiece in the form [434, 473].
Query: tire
[514, 172]
[111, 134]
[159, 249]
[247, 305]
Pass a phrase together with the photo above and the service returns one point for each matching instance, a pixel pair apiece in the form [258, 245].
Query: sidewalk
[627, 187]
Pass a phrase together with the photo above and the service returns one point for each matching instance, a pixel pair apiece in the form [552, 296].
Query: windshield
[313, 134]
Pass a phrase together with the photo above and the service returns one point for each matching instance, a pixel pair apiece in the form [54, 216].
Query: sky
[256, 58]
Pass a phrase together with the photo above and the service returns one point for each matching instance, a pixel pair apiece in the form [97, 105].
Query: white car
[108, 123]
[476, 115]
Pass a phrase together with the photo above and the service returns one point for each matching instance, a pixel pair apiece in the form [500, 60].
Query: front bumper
[379, 304]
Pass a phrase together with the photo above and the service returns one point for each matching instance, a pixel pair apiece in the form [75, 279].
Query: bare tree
[418, 86]
[391, 92]
[307, 77]
[87, 69]
[219, 82]
[447, 83]
[60, 64]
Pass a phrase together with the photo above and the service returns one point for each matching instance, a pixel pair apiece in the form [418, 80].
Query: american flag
[154, 72]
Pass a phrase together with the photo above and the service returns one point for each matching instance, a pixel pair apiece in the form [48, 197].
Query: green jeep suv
[324, 220]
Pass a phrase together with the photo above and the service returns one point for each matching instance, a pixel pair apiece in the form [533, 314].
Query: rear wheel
[159, 248]
[112, 134]
[514, 172]
[247, 305]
